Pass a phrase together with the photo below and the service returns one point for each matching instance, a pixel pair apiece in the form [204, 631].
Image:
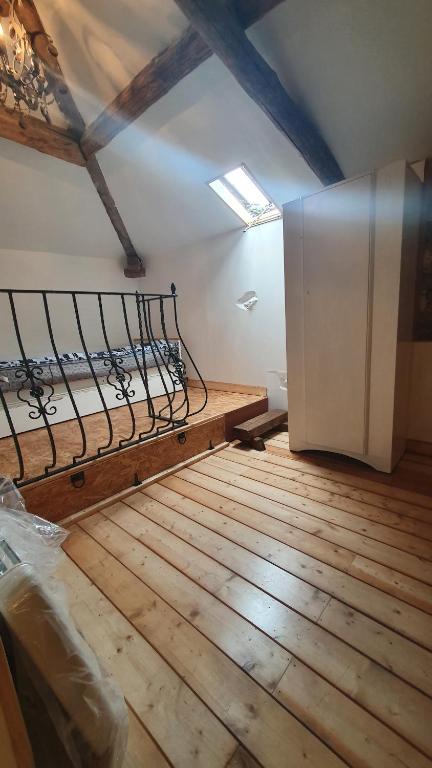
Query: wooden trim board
[222, 386]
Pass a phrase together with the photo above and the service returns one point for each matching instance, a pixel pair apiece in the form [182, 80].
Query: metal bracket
[181, 438]
[78, 479]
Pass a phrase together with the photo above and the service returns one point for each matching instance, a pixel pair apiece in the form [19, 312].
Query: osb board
[88, 511]
[36, 449]
[57, 498]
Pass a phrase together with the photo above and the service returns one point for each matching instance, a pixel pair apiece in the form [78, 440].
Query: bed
[106, 376]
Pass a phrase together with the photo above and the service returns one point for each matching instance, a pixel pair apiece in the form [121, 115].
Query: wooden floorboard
[244, 708]
[228, 499]
[288, 679]
[142, 749]
[290, 528]
[264, 610]
[316, 474]
[175, 716]
[263, 561]
[282, 490]
[332, 659]
[401, 483]
[337, 495]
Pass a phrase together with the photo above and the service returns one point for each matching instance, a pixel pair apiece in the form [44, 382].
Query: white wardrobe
[350, 269]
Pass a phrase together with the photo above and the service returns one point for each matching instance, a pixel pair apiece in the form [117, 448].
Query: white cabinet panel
[336, 267]
[350, 259]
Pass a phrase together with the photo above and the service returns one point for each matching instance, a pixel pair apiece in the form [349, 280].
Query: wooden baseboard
[221, 386]
[419, 446]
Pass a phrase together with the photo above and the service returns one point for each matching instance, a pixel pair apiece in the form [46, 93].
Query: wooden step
[250, 431]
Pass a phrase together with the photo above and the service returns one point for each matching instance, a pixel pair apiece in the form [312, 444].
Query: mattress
[46, 370]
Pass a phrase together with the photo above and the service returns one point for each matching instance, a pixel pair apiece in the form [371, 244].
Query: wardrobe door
[336, 296]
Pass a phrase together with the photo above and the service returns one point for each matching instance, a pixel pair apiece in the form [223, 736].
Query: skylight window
[240, 191]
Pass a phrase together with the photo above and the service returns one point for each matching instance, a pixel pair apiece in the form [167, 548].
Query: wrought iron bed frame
[166, 419]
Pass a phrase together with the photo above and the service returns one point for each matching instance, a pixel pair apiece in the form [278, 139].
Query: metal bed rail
[149, 316]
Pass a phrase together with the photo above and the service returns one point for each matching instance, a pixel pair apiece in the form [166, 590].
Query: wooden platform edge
[57, 497]
[74, 490]
[78, 516]
[221, 386]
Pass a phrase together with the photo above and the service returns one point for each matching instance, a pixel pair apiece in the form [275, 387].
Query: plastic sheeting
[85, 706]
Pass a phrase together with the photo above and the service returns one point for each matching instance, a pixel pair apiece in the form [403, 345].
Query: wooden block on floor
[251, 431]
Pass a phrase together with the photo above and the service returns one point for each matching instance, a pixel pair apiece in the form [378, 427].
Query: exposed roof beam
[218, 26]
[47, 52]
[161, 75]
[135, 267]
[28, 130]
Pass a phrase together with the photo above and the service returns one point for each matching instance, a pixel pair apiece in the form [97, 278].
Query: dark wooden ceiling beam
[218, 25]
[135, 267]
[53, 141]
[28, 130]
[162, 73]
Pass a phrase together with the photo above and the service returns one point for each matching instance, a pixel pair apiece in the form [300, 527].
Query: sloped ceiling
[361, 68]
[50, 205]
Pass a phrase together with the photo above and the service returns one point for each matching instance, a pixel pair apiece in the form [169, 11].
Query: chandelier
[24, 85]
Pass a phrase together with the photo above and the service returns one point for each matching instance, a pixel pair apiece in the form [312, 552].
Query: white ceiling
[361, 68]
[104, 43]
[158, 168]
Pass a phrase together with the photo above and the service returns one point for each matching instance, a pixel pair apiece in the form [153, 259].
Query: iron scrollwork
[38, 389]
[119, 378]
[175, 364]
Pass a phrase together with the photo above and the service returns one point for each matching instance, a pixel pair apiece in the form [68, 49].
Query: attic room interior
[215, 384]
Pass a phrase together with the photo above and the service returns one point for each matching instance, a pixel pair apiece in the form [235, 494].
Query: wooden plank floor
[264, 609]
[36, 449]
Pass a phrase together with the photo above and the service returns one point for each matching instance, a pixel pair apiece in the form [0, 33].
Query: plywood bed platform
[36, 448]
[89, 483]
[262, 609]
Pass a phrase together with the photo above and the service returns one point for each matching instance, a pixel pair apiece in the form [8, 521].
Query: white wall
[52, 271]
[49, 205]
[229, 344]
